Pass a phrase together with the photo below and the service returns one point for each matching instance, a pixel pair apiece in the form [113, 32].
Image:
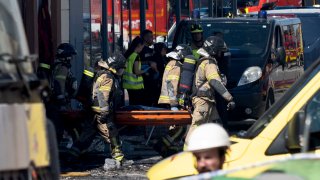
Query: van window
[278, 38]
[243, 39]
[291, 36]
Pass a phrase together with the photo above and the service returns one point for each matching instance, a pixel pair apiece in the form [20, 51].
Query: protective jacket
[131, 80]
[63, 83]
[105, 94]
[207, 81]
[170, 83]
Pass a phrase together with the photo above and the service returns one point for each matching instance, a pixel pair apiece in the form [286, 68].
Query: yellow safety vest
[195, 54]
[130, 80]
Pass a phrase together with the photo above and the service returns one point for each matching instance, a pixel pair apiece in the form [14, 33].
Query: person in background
[132, 79]
[209, 144]
[147, 51]
[197, 39]
[159, 57]
[150, 65]
[64, 87]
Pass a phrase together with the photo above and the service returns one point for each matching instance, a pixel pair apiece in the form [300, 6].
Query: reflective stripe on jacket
[130, 80]
[170, 83]
[61, 74]
[103, 92]
[206, 71]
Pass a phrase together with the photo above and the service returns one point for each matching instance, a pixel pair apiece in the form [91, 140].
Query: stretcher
[142, 117]
[152, 117]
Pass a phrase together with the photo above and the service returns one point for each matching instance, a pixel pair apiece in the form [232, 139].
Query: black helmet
[65, 50]
[214, 44]
[196, 28]
[117, 61]
[183, 50]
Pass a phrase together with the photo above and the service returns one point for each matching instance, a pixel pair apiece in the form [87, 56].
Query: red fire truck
[246, 6]
[159, 17]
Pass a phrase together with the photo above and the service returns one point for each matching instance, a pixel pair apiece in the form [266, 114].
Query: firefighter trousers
[205, 111]
[107, 130]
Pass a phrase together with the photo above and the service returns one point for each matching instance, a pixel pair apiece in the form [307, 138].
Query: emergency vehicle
[28, 148]
[248, 6]
[262, 65]
[158, 17]
[310, 22]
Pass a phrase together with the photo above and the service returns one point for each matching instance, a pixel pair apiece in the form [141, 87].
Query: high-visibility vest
[130, 80]
[195, 54]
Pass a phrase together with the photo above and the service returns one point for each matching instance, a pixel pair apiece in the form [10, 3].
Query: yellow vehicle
[275, 135]
[27, 140]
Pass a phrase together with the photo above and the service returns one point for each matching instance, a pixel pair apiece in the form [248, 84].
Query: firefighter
[197, 38]
[207, 81]
[171, 76]
[106, 96]
[63, 86]
[209, 144]
[169, 95]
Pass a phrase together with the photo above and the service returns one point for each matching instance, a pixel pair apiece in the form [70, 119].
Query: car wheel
[54, 169]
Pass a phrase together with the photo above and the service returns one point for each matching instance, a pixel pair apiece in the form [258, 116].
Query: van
[276, 134]
[28, 147]
[310, 22]
[266, 58]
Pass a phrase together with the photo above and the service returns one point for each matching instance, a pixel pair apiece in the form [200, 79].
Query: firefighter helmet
[183, 50]
[214, 44]
[65, 50]
[196, 28]
[207, 136]
[180, 52]
[117, 61]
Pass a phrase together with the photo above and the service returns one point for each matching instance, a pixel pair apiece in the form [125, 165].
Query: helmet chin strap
[112, 70]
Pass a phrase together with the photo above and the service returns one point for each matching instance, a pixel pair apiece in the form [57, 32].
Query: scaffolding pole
[142, 15]
[104, 30]
[178, 11]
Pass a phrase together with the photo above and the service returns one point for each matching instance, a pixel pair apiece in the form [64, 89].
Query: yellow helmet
[196, 28]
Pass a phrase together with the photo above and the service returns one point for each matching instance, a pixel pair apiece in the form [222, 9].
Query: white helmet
[173, 55]
[208, 136]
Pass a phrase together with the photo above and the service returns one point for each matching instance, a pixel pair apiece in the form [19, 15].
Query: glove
[231, 105]
[174, 109]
